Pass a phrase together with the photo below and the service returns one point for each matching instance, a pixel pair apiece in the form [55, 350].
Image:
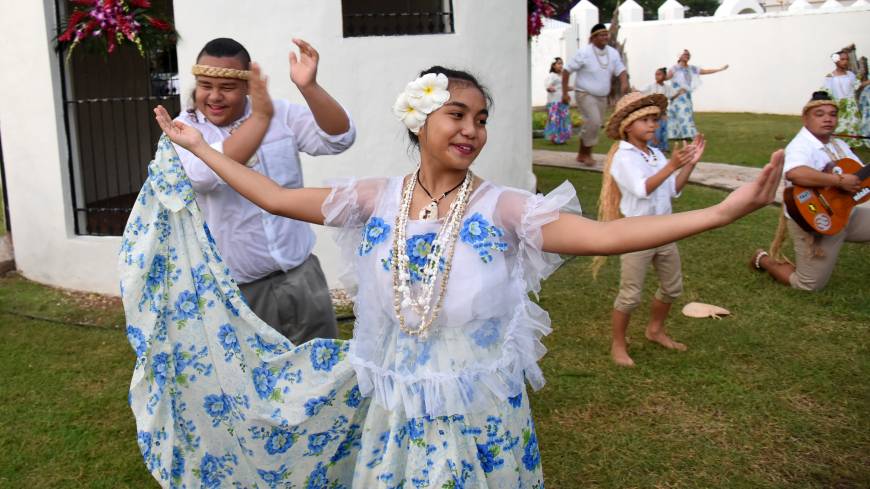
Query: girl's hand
[303, 70]
[181, 134]
[261, 102]
[723, 68]
[755, 194]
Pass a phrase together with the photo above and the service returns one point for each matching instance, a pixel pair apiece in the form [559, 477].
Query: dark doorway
[111, 133]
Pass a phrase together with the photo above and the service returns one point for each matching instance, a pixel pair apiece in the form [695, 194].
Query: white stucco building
[75, 137]
[776, 58]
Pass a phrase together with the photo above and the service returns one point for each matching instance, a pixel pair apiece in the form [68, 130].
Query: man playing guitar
[806, 158]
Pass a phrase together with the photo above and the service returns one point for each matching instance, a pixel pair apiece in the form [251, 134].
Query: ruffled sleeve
[531, 213]
[348, 207]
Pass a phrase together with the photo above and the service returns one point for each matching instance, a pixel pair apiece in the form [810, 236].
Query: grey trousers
[296, 303]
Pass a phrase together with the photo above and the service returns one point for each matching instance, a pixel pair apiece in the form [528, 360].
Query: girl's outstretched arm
[303, 204]
[575, 235]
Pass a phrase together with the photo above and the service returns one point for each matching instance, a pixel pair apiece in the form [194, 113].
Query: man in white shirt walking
[594, 66]
[268, 256]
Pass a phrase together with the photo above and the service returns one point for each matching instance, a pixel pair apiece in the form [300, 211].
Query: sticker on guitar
[823, 222]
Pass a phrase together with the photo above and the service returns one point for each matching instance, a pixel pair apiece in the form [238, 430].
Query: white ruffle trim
[534, 264]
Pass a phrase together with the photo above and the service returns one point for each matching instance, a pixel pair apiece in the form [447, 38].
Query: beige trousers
[592, 108]
[813, 272]
[665, 259]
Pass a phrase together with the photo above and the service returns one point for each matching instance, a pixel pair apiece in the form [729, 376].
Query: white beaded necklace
[604, 54]
[442, 250]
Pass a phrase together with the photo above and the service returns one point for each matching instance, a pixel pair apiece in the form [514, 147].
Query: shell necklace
[420, 298]
[602, 54]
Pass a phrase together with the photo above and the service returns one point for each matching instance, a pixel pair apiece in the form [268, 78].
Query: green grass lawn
[736, 138]
[775, 396]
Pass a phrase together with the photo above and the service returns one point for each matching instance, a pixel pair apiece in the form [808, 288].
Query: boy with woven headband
[640, 181]
[806, 157]
[269, 257]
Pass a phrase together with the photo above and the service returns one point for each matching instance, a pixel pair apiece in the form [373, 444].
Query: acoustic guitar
[826, 210]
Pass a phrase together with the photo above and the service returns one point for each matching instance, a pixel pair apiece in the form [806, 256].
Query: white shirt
[594, 68]
[554, 81]
[253, 242]
[667, 89]
[806, 150]
[630, 170]
[842, 86]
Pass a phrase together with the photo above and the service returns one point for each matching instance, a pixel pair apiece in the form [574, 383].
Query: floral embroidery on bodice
[485, 341]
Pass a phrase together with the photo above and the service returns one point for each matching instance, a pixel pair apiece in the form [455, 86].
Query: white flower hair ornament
[420, 98]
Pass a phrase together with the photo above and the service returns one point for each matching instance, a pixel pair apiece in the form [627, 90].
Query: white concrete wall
[776, 60]
[365, 74]
[34, 151]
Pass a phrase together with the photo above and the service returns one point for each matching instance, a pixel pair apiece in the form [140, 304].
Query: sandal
[755, 261]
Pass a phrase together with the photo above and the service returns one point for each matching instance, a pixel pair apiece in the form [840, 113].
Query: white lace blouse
[486, 339]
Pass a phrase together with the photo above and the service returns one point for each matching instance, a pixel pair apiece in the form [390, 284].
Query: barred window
[396, 17]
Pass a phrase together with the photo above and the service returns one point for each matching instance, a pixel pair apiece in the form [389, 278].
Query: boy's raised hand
[698, 145]
[682, 155]
[261, 102]
[303, 68]
[181, 134]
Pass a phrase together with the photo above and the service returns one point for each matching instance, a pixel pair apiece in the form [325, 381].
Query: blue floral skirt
[558, 129]
[681, 118]
[864, 109]
[223, 400]
[660, 137]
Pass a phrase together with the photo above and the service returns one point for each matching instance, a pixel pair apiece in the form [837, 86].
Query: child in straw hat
[640, 181]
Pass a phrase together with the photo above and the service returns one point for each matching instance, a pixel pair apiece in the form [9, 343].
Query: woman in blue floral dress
[421, 396]
[681, 111]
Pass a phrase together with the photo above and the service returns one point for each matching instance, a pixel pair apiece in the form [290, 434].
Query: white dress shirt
[253, 242]
[806, 150]
[630, 171]
[594, 68]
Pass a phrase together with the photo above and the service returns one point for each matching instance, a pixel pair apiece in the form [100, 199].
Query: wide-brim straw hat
[632, 107]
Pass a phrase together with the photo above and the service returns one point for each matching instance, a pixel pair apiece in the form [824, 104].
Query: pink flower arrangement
[538, 9]
[113, 22]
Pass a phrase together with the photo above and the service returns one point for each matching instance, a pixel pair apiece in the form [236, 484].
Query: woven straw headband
[817, 103]
[214, 71]
[637, 114]
[603, 29]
